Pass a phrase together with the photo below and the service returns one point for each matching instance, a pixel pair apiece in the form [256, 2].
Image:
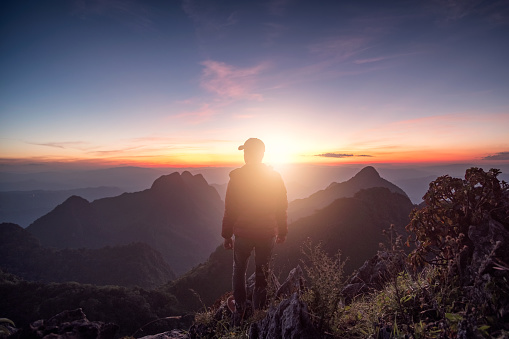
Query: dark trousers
[241, 252]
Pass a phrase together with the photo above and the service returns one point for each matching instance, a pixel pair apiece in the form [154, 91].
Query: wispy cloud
[457, 9]
[278, 7]
[273, 32]
[382, 58]
[341, 155]
[230, 82]
[129, 12]
[115, 151]
[202, 114]
[339, 48]
[63, 144]
[497, 156]
[208, 16]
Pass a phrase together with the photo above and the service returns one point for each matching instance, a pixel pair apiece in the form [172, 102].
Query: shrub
[452, 206]
[324, 286]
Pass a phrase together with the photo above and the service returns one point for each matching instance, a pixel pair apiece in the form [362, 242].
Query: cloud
[273, 32]
[230, 82]
[131, 12]
[208, 16]
[454, 10]
[382, 58]
[497, 156]
[115, 152]
[341, 155]
[202, 114]
[278, 7]
[339, 48]
[62, 145]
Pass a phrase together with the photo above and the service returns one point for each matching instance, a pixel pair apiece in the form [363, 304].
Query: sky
[184, 83]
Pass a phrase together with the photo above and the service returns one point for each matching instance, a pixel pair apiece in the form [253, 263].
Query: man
[256, 213]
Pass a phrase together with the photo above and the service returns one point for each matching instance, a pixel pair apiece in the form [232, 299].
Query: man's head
[254, 150]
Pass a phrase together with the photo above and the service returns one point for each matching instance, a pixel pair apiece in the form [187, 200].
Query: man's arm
[281, 213]
[230, 215]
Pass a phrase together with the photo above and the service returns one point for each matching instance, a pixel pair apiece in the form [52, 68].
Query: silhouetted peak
[186, 174]
[196, 180]
[176, 179]
[166, 181]
[8, 230]
[75, 200]
[368, 172]
[14, 234]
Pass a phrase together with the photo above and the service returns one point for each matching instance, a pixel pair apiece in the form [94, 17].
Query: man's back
[256, 202]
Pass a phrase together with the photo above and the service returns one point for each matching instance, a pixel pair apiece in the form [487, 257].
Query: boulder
[69, 325]
[290, 319]
[173, 334]
[294, 283]
[373, 274]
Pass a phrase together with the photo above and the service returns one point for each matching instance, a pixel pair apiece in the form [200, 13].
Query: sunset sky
[164, 83]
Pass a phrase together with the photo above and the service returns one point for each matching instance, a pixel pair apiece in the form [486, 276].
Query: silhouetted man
[255, 212]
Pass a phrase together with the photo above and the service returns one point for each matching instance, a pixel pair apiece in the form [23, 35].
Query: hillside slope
[367, 177]
[135, 264]
[352, 225]
[180, 216]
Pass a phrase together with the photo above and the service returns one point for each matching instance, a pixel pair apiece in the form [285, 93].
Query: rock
[491, 247]
[69, 325]
[250, 282]
[173, 334]
[290, 319]
[373, 274]
[293, 283]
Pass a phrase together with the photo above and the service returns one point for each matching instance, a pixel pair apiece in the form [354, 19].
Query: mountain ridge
[367, 177]
[178, 216]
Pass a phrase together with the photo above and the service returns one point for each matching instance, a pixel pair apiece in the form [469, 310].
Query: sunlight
[280, 150]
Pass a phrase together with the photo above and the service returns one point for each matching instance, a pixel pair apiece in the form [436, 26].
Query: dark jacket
[255, 204]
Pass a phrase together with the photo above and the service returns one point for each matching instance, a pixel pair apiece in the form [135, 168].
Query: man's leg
[241, 251]
[263, 253]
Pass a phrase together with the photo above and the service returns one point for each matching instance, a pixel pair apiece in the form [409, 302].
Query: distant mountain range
[136, 264]
[180, 216]
[301, 180]
[24, 207]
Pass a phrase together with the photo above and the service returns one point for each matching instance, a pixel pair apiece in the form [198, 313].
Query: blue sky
[186, 82]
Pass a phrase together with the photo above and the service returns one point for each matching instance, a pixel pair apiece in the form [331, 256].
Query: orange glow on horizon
[274, 157]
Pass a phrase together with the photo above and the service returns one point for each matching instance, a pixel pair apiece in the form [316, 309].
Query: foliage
[216, 321]
[4, 330]
[452, 206]
[435, 301]
[130, 308]
[325, 283]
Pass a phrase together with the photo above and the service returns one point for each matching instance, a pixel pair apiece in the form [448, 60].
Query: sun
[280, 150]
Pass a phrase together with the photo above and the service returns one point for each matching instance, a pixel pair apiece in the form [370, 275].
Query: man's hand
[228, 243]
[280, 239]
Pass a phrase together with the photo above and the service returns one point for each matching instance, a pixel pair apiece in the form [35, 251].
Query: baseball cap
[253, 144]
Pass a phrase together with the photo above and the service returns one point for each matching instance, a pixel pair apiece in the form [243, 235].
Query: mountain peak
[75, 200]
[368, 172]
[166, 181]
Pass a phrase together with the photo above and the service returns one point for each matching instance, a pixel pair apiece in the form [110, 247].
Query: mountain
[204, 283]
[23, 207]
[180, 216]
[136, 264]
[366, 178]
[352, 225]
